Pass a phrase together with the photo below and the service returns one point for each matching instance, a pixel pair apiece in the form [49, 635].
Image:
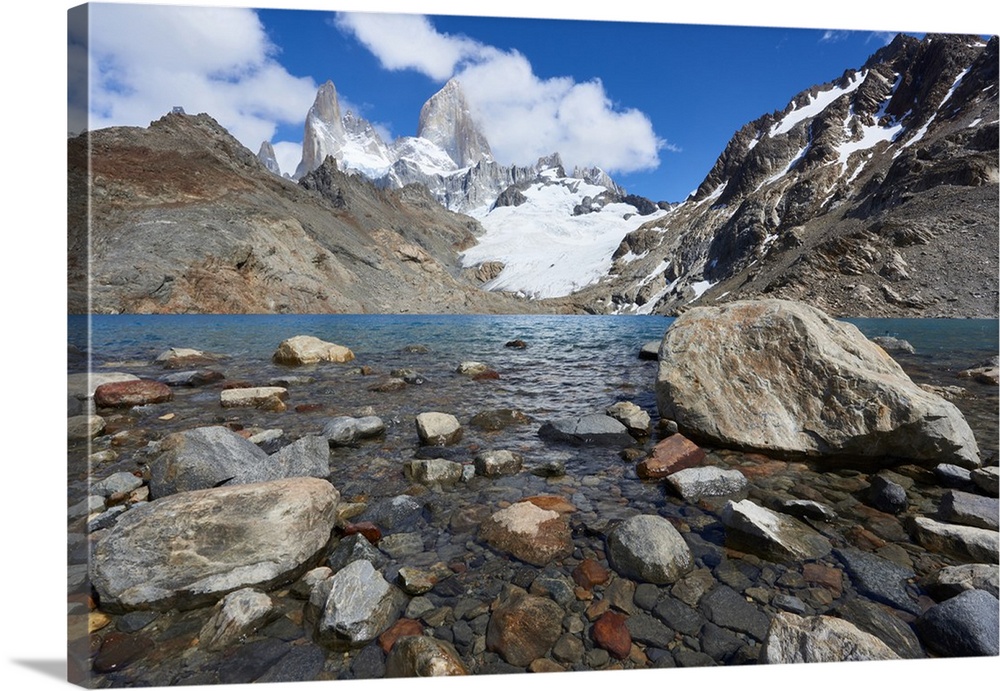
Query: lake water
[572, 365]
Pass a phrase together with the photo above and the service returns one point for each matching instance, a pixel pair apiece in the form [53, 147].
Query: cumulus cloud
[409, 42]
[523, 116]
[145, 59]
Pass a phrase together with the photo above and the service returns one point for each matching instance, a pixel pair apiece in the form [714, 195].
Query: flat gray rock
[953, 580]
[961, 541]
[190, 549]
[970, 509]
[772, 535]
[878, 578]
[598, 430]
[707, 481]
[207, 457]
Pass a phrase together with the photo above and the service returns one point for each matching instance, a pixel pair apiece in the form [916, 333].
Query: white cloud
[145, 59]
[409, 42]
[522, 115]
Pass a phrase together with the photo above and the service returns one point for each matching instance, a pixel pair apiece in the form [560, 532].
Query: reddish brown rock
[308, 407]
[125, 394]
[589, 573]
[524, 628]
[488, 374]
[611, 633]
[532, 534]
[120, 649]
[550, 502]
[674, 453]
[366, 528]
[402, 627]
[830, 578]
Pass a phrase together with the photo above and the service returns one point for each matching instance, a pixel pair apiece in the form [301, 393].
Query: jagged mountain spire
[447, 121]
[324, 130]
[267, 158]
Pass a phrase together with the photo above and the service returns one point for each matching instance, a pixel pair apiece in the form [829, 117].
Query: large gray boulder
[784, 378]
[190, 549]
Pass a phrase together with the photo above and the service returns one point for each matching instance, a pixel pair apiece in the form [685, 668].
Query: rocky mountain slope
[183, 218]
[873, 195]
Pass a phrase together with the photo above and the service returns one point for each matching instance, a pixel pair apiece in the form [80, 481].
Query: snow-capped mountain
[445, 120]
[547, 234]
[858, 196]
[450, 155]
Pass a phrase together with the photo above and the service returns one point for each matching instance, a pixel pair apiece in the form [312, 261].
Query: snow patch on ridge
[816, 105]
[546, 250]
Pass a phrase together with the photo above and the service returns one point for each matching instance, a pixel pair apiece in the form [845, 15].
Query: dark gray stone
[878, 578]
[396, 512]
[886, 495]
[551, 468]
[718, 643]
[369, 663]
[679, 616]
[950, 475]
[691, 658]
[646, 596]
[136, 621]
[249, 662]
[302, 663]
[970, 509]
[789, 603]
[727, 608]
[352, 548]
[649, 630]
[876, 620]
[590, 430]
[966, 625]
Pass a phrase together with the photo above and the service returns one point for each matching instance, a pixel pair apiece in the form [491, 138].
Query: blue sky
[653, 103]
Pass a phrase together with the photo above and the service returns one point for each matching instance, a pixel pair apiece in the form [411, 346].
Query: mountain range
[874, 194]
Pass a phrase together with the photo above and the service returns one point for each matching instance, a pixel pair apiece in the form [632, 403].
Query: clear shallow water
[572, 365]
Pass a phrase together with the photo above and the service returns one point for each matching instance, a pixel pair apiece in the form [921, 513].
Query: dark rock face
[805, 206]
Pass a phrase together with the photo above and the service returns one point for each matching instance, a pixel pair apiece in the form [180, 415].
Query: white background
[32, 451]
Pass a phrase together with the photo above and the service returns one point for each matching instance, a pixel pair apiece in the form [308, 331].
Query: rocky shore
[775, 490]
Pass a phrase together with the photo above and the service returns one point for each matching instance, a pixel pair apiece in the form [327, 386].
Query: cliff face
[183, 218]
[873, 195]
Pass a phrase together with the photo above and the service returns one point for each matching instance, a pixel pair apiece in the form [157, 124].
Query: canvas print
[412, 345]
